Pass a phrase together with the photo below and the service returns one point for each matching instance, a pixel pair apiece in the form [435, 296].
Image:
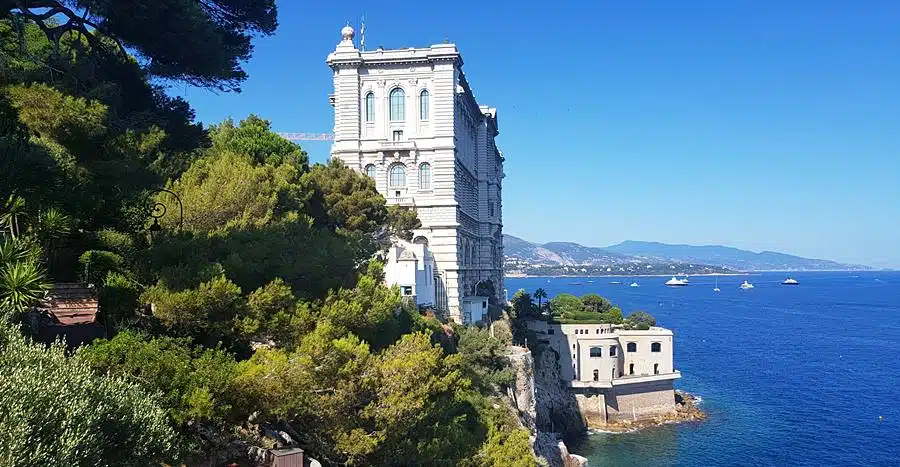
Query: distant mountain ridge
[569, 254]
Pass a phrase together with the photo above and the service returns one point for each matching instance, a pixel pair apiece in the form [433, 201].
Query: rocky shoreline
[686, 410]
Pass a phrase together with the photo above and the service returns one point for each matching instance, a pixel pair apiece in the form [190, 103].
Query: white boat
[717, 285]
[634, 284]
[676, 282]
[746, 285]
[790, 281]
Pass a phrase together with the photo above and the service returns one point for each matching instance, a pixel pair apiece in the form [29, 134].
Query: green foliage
[55, 410]
[640, 320]
[565, 305]
[120, 243]
[522, 305]
[227, 191]
[97, 264]
[348, 198]
[253, 137]
[483, 359]
[596, 303]
[540, 295]
[118, 298]
[193, 382]
[63, 118]
[22, 285]
[206, 313]
[273, 313]
[368, 311]
[203, 43]
[402, 221]
[506, 444]
[613, 316]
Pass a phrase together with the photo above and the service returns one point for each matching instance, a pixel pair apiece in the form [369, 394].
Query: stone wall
[641, 401]
[535, 396]
[556, 409]
[593, 407]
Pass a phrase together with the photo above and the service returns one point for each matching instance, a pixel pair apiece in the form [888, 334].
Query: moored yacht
[790, 281]
[634, 284]
[746, 285]
[676, 282]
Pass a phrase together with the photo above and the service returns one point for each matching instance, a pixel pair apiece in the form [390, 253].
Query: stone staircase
[71, 303]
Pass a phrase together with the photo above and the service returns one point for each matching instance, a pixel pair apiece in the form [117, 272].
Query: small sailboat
[746, 286]
[717, 285]
[790, 281]
[634, 284]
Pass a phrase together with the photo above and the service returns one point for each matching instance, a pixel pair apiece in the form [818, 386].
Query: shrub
[193, 382]
[119, 297]
[55, 411]
[98, 263]
[640, 320]
[117, 242]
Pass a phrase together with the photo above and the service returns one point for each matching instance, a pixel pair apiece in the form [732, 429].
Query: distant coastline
[738, 273]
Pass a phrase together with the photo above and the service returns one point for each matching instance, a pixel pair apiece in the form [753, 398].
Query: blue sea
[789, 375]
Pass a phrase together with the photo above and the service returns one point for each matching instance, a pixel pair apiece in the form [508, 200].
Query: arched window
[397, 176]
[656, 347]
[423, 105]
[424, 176]
[370, 171]
[370, 107]
[596, 375]
[632, 347]
[398, 100]
[420, 240]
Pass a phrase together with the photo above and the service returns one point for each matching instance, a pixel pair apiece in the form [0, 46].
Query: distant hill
[656, 254]
[732, 258]
[561, 253]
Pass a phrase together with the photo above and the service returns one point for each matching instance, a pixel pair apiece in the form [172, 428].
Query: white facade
[603, 355]
[411, 267]
[408, 119]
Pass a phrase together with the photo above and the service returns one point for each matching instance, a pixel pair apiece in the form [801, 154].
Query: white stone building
[408, 119]
[614, 373]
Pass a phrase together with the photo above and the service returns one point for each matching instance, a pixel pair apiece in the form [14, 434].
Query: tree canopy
[201, 42]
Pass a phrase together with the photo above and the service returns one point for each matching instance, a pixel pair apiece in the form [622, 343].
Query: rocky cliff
[545, 407]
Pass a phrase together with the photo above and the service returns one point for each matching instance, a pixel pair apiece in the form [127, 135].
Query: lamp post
[159, 210]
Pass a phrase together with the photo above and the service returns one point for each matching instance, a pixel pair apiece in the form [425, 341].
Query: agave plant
[14, 208]
[53, 224]
[22, 285]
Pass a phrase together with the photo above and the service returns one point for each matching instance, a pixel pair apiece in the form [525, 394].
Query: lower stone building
[614, 373]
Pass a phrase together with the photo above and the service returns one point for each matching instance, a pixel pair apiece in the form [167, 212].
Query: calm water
[788, 375]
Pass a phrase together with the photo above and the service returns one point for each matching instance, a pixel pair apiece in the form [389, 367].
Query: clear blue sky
[757, 124]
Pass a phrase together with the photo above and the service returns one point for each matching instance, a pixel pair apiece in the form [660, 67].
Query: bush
[98, 263]
[119, 297]
[117, 242]
[193, 382]
[55, 411]
[565, 304]
[640, 320]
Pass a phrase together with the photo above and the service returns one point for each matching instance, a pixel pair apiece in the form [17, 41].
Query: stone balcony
[623, 380]
[397, 145]
[407, 201]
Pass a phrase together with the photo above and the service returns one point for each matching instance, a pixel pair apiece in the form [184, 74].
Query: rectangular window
[550, 331]
[398, 135]
[612, 351]
[596, 351]
[491, 208]
[406, 290]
